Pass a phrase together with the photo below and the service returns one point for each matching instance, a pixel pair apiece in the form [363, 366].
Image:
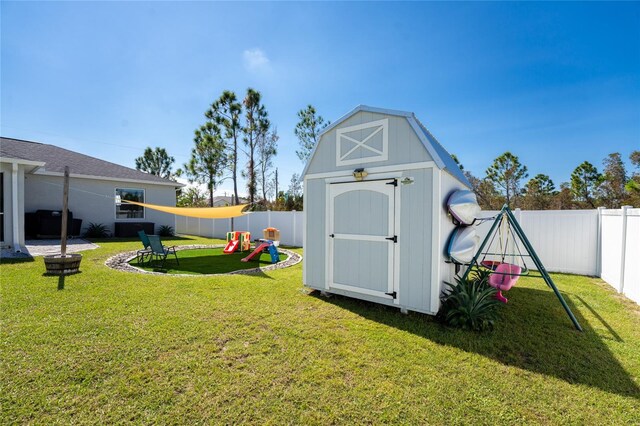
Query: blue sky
[555, 83]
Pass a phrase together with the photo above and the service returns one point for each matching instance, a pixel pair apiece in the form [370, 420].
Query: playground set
[504, 250]
[239, 240]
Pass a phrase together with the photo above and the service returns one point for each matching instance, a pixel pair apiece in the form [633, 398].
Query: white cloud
[255, 60]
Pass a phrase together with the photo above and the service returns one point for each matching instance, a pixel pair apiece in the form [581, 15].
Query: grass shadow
[533, 333]
[15, 260]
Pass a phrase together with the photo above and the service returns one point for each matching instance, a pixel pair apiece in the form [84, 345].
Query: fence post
[624, 246]
[599, 243]
[294, 228]
[518, 214]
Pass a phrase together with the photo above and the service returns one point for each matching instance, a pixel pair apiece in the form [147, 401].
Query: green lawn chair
[142, 254]
[160, 252]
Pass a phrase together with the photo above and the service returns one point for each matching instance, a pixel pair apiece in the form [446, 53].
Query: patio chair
[146, 251]
[160, 252]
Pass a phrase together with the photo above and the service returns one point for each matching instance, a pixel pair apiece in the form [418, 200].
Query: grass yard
[209, 261]
[115, 347]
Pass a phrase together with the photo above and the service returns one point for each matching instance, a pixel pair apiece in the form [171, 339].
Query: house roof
[228, 199]
[440, 156]
[56, 158]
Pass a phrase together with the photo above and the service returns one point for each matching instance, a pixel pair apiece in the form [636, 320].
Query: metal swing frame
[507, 214]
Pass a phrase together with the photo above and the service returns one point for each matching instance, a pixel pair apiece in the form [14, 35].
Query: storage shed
[376, 224]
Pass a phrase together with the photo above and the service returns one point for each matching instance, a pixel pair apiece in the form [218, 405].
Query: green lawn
[115, 347]
[208, 261]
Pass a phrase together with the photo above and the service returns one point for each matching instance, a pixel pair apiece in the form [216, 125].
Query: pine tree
[156, 162]
[267, 150]
[614, 181]
[226, 112]
[308, 131]
[208, 159]
[506, 173]
[538, 193]
[585, 183]
[256, 124]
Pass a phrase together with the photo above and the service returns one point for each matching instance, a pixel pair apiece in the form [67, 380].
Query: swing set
[501, 253]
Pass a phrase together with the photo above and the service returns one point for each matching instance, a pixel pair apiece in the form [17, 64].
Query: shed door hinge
[394, 238]
[392, 294]
[393, 182]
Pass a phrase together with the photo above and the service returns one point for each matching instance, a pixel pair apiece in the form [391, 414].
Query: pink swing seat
[504, 277]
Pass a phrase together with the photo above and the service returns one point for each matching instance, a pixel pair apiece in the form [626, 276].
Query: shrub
[96, 230]
[470, 303]
[166, 231]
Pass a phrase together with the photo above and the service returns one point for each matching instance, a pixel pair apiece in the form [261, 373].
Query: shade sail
[200, 212]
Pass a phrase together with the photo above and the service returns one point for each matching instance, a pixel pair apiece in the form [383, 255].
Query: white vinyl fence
[620, 260]
[290, 225]
[604, 243]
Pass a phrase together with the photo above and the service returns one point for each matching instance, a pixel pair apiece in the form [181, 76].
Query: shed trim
[371, 170]
[430, 149]
[436, 246]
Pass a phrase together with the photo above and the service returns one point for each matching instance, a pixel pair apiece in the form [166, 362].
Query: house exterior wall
[92, 200]
[404, 146]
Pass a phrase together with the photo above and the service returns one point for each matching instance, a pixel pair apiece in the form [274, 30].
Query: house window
[129, 211]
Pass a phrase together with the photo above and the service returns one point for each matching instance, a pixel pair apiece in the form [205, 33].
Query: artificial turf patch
[207, 261]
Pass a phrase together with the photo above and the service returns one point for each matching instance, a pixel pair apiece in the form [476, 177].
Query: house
[31, 179]
[376, 224]
[225, 200]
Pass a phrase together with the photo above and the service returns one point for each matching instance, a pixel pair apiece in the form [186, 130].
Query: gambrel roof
[440, 156]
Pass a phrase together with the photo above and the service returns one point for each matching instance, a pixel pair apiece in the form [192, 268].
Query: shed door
[361, 237]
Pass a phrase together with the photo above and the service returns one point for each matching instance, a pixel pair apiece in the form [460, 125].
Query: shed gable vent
[363, 143]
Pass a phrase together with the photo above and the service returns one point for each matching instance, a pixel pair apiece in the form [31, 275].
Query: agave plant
[96, 230]
[166, 231]
[470, 303]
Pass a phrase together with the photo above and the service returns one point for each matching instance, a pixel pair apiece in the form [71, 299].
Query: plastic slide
[231, 246]
[257, 251]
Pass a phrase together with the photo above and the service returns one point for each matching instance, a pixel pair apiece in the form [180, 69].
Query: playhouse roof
[439, 154]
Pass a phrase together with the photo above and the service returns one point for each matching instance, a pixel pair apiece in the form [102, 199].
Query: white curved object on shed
[463, 244]
[463, 206]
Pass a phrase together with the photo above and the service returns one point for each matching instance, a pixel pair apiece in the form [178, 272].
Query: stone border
[120, 262]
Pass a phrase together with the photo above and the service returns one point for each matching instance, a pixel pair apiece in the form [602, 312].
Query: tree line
[505, 181]
[237, 139]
